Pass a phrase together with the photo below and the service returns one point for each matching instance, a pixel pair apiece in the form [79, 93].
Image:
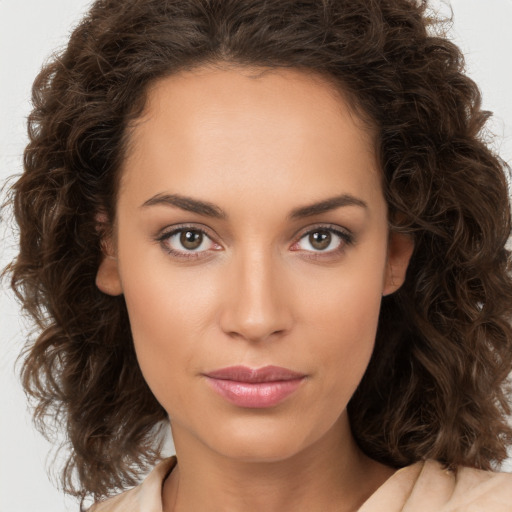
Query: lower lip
[254, 395]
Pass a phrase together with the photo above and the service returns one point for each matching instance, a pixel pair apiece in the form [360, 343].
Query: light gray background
[29, 31]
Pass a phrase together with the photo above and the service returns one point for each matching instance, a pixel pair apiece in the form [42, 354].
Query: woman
[302, 352]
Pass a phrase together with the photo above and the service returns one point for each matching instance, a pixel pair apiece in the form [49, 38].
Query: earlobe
[400, 248]
[107, 276]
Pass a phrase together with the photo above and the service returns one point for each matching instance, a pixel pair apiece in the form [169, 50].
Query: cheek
[162, 298]
[342, 319]
[168, 313]
[166, 333]
[349, 329]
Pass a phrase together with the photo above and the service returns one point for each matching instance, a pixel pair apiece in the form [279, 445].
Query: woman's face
[252, 231]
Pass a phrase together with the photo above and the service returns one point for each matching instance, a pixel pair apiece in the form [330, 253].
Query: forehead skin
[230, 125]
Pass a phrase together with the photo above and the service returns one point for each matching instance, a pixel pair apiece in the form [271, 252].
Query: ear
[400, 248]
[107, 276]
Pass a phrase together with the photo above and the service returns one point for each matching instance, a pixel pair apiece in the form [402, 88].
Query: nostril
[255, 324]
[256, 303]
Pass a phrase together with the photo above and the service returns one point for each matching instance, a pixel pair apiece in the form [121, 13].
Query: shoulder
[428, 486]
[145, 497]
[421, 487]
[472, 490]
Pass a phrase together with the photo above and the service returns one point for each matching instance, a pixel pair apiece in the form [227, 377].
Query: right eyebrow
[188, 204]
[211, 210]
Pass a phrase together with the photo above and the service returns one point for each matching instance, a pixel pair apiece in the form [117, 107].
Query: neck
[331, 474]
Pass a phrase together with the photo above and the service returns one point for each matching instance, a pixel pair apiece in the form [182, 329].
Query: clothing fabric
[421, 487]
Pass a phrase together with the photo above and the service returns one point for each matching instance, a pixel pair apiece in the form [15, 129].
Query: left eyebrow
[326, 205]
[211, 210]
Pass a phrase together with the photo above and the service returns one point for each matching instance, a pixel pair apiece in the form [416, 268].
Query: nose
[257, 303]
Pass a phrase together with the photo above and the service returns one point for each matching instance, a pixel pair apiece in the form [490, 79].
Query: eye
[187, 242]
[326, 240]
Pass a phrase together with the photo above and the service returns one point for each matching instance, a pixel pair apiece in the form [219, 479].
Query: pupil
[191, 239]
[320, 239]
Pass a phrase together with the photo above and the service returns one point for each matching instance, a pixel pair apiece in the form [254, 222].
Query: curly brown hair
[436, 386]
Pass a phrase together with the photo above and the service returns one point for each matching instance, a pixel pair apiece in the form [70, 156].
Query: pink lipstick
[254, 388]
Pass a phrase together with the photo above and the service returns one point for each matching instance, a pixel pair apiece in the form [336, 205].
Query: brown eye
[324, 242]
[187, 242]
[195, 243]
[191, 239]
[320, 240]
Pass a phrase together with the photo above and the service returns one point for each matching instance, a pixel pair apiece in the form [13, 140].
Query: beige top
[422, 487]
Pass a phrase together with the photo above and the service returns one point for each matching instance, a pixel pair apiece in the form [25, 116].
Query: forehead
[233, 127]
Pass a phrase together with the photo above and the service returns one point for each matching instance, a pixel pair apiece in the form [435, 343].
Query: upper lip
[251, 375]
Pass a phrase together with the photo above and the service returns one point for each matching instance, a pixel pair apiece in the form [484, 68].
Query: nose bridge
[257, 304]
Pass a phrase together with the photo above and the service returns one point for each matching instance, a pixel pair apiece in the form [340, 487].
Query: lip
[254, 388]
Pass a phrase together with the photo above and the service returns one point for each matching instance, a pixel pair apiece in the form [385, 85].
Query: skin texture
[257, 291]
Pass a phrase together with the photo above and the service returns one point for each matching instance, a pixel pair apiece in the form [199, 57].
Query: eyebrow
[326, 205]
[208, 209]
[188, 204]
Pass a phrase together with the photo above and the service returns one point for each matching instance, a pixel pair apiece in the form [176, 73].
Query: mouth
[254, 388]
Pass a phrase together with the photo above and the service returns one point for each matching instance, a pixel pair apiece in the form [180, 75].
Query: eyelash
[346, 237]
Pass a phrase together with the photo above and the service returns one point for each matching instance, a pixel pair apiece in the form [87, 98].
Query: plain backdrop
[29, 31]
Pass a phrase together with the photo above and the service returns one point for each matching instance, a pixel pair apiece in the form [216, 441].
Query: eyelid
[344, 234]
[171, 231]
[335, 228]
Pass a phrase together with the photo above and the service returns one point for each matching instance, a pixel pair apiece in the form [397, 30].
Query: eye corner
[345, 236]
[165, 240]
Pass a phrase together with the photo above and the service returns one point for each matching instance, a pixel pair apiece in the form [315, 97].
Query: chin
[263, 441]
